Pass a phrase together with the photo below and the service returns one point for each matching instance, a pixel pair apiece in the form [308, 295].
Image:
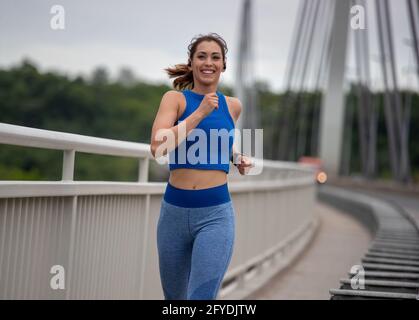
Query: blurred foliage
[124, 109]
[383, 156]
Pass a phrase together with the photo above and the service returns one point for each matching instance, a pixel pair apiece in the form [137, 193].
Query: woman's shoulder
[235, 104]
[233, 100]
[174, 96]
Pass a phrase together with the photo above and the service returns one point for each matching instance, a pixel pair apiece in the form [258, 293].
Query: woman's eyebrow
[215, 52]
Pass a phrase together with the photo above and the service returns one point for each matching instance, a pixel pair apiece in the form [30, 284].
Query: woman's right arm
[163, 124]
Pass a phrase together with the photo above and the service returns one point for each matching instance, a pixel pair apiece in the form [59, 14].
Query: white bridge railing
[103, 234]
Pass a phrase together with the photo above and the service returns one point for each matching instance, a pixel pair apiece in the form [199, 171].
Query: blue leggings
[195, 237]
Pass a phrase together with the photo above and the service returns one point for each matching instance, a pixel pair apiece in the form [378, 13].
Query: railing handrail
[48, 139]
[20, 189]
[71, 143]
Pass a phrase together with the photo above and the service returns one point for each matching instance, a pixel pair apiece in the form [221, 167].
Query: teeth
[207, 71]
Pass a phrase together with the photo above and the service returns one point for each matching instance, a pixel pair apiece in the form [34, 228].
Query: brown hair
[184, 77]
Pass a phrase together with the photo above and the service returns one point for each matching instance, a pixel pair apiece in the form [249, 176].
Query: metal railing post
[143, 170]
[68, 165]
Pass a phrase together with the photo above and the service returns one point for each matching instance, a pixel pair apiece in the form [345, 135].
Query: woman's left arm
[241, 161]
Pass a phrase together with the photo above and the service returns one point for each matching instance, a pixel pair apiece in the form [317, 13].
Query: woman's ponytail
[183, 75]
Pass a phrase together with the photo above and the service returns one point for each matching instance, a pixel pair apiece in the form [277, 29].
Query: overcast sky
[147, 36]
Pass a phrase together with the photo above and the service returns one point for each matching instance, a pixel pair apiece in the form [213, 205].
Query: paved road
[339, 242]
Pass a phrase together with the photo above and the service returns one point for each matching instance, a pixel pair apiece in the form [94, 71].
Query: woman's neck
[204, 89]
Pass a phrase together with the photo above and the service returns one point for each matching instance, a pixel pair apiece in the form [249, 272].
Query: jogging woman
[195, 231]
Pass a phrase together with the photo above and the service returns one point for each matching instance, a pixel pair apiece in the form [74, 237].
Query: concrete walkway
[340, 243]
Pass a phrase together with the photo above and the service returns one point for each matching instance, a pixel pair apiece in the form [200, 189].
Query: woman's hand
[245, 164]
[209, 103]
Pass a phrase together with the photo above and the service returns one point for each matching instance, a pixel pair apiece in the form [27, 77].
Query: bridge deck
[392, 262]
[339, 242]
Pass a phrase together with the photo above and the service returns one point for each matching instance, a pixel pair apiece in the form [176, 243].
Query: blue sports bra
[209, 144]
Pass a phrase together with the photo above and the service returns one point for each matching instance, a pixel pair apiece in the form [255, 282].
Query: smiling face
[207, 63]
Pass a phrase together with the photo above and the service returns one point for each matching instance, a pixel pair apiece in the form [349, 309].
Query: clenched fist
[209, 103]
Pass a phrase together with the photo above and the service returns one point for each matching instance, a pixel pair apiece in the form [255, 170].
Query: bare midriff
[194, 179]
